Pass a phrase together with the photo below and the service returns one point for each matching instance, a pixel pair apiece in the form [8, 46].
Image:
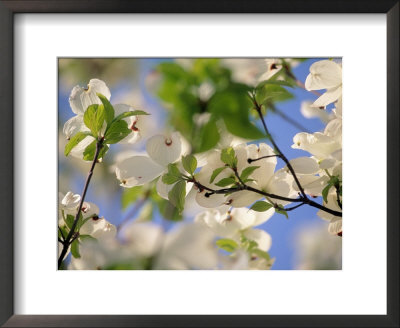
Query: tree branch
[71, 233]
[290, 167]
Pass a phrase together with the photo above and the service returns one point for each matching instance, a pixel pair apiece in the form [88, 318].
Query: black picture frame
[7, 201]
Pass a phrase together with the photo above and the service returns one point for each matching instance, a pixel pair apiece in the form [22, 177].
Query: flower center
[133, 126]
[168, 141]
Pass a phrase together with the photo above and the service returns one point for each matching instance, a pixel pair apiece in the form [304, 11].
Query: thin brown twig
[71, 233]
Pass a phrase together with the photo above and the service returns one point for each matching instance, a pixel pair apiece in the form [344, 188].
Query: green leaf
[116, 132]
[242, 128]
[261, 254]
[81, 221]
[216, 172]
[270, 93]
[228, 156]
[225, 182]
[261, 206]
[129, 113]
[274, 82]
[108, 109]
[87, 237]
[75, 249]
[169, 179]
[325, 192]
[228, 245]
[233, 105]
[189, 163]
[130, 195]
[173, 169]
[168, 211]
[94, 118]
[90, 151]
[281, 210]
[69, 220]
[177, 195]
[333, 182]
[208, 136]
[247, 172]
[74, 141]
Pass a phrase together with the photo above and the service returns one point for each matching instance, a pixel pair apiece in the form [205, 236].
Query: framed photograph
[199, 160]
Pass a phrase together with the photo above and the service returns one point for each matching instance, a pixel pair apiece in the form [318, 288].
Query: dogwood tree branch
[72, 234]
[303, 196]
[301, 200]
[276, 148]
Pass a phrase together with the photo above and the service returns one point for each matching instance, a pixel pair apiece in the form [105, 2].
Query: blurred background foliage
[207, 101]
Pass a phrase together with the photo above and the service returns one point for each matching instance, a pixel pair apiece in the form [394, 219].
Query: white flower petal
[98, 228]
[312, 184]
[335, 226]
[318, 144]
[70, 200]
[80, 98]
[281, 188]
[262, 238]
[137, 170]
[310, 111]
[78, 150]
[89, 209]
[327, 163]
[324, 74]
[332, 204]
[305, 165]
[164, 149]
[261, 217]
[74, 125]
[191, 246]
[242, 198]
[144, 239]
[163, 189]
[267, 165]
[211, 201]
[330, 96]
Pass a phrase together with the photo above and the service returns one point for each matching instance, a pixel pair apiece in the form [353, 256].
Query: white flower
[325, 74]
[310, 111]
[236, 222]
[98, 228]
[322, 145]
[100, 254]
[80, 99]
[335, 222]
[274, 65]
[246, 71]
[264, 177]
[94, 226]
[68, 202]
[162, 150]
[190, 246]
[143, 239]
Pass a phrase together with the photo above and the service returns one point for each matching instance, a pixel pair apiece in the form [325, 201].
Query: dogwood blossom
[335, 223]
[264, 177]
[146, 245]
[238, 221]
[325, 74]
[80, 99]
[93, 225]
[237, 224]
[190, 246]
[161, 150]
